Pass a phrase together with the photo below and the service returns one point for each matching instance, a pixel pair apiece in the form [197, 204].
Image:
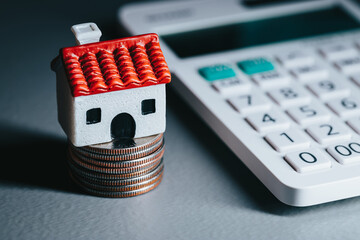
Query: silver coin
[106, 176]
[127, 146]
[80, 152]
[120, 188]
[118, 164]
[131, 193]
[120, 182]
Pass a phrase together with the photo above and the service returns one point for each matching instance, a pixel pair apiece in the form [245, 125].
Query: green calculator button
[216, 72]
[256, 65]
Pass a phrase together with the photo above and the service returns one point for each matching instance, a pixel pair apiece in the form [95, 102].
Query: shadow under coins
[260, 197]
[33, 159]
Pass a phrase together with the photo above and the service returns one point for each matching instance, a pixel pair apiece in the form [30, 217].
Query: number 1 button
[289, 140]
[308, 160]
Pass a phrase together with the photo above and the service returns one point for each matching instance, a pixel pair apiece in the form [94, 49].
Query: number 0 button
[308, 160]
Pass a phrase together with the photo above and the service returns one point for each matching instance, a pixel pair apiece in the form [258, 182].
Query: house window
[93, 115]
[147, 106]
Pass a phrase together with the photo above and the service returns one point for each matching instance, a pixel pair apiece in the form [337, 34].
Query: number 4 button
[271, 121]
[289, 140]
[308, 160]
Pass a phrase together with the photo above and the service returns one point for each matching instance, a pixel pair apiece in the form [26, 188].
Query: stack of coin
[121, 168]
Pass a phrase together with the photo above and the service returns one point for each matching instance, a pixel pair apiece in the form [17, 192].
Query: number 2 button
[329, 132]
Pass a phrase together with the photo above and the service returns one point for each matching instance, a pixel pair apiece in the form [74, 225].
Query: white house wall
[73, 118]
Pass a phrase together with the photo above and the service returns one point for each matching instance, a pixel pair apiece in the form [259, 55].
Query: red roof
[115, 65]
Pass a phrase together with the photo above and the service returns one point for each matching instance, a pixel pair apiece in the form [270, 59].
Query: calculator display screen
[258, 32]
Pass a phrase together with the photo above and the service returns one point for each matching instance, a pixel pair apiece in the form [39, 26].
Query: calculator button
[230, 86]
[269, 121]
[328, 89]
[338, 51]
[288, 140]
[290, 96]
[356, 79]
[250, 103]
[295, 59]
[270, 79]
[349, 65]
[216, 72]
[345, 107]
[309, 114]
[327, 133]
[310, 73]
[309, 160]
[354, 123]
[345, 153]
[256, 65]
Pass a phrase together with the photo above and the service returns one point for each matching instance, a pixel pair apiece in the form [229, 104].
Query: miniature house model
[111, 89]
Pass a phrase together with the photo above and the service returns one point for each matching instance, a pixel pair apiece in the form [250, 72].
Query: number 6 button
[308, 160]
[345, 153]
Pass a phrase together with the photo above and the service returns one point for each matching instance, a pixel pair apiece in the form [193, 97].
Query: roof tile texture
[115, 65]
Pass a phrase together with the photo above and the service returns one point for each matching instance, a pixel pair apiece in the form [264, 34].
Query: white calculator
[279, 82]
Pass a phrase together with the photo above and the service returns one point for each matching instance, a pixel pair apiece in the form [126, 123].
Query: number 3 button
[308, 160]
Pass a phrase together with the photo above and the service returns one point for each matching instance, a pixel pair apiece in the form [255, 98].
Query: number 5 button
[308, 160]
[289, 140]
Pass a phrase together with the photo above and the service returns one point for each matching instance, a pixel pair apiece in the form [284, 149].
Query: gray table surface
[206, 193]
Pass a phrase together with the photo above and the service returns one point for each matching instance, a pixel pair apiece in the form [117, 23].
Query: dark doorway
[123, 126]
